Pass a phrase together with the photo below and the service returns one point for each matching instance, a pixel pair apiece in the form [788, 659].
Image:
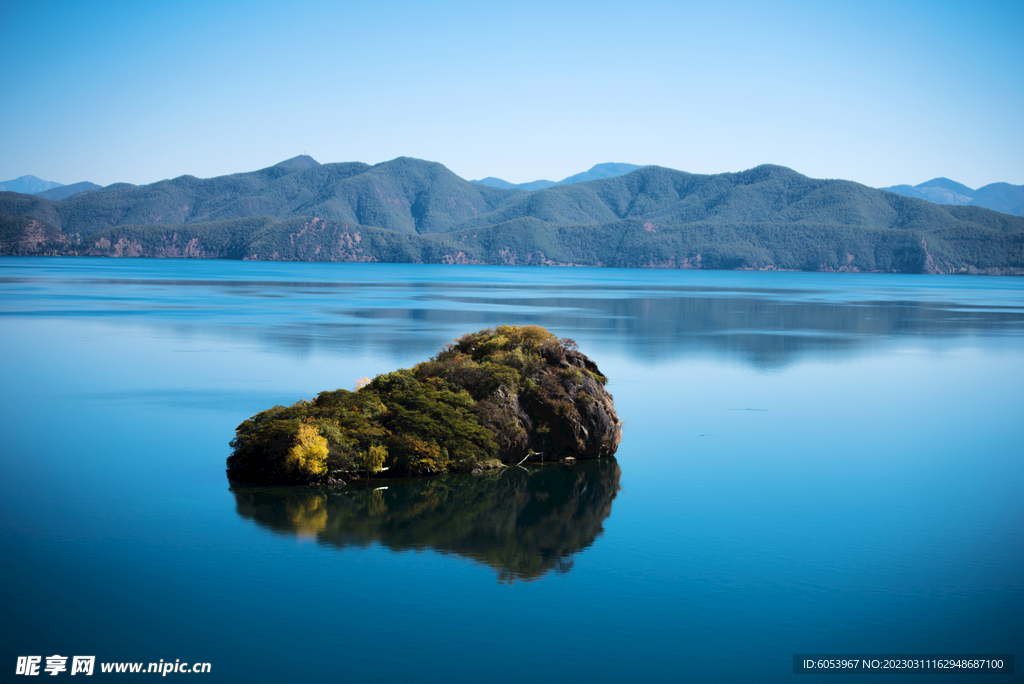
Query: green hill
[408, 210]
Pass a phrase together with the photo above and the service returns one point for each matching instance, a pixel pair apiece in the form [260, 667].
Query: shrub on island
[501, 395]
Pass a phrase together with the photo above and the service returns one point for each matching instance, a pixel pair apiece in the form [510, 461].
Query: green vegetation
[506, 393]
[411, 211]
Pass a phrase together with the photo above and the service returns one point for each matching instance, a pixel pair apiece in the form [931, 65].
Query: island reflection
[522, 522]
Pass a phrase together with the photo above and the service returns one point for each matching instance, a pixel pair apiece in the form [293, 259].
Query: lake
[811, 463]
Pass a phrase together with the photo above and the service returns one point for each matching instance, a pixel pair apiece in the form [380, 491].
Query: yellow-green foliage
[308, 457]
[529, 339]
[373, 459]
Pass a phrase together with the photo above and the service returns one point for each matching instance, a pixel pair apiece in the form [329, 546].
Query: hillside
[413, 211]
[27, 236]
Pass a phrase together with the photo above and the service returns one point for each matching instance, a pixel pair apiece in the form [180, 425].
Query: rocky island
[495, 397]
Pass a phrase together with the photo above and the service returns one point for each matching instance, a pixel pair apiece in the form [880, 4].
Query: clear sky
[877, 92]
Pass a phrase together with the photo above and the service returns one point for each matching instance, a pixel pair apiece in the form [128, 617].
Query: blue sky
[876, 92]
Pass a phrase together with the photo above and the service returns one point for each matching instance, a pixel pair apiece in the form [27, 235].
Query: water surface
[811, 463]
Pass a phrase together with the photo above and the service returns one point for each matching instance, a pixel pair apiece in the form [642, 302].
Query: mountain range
[414, 211]
[596, 172]
[1003, 197]
[30, 185]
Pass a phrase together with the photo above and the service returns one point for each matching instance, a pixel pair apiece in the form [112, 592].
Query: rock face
[501, 395]
[25, 236]
[572, 416]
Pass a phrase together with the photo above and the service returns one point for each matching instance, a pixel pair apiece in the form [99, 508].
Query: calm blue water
[812, 463]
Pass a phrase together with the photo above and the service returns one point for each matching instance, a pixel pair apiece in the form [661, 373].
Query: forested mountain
[1003, 197]
[404, 195]
[606, 170]
[408, 210]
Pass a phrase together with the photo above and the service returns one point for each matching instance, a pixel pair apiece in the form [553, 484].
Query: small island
[492, 398]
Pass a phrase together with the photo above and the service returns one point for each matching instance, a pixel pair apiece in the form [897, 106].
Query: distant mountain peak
[65, 191]
[774, 168]
[1009, 199]
[615, 167]
[596, 172]
[947, 184]
[28, 185]
[412, 161]
[493, 182]
[302, 161]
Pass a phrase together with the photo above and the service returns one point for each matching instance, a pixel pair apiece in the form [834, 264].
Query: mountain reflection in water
[764, 320]
[522, 522]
